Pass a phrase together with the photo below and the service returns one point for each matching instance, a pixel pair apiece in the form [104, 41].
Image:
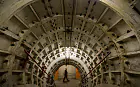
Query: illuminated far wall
[56, 76]
[71, 72]
[77, 74]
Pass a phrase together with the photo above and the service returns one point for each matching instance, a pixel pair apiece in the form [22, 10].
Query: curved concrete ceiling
[98, 27]
[71, 62]
[73, 57]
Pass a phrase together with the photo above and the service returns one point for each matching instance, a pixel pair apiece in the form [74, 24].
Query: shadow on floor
[71, 83]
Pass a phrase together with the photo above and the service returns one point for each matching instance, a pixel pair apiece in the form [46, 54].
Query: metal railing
[50, 84]
[97, 65]
[84, 82]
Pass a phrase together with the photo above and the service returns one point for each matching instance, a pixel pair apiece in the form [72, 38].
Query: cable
[35, 61]
[65, 31]
[97, 65]
[70, 31]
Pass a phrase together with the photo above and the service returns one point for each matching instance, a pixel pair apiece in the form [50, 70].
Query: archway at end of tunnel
[74, 68]
[73, 72]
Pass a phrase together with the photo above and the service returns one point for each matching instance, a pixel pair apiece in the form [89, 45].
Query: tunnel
[99, 38]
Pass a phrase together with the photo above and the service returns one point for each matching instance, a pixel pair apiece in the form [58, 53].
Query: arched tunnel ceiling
[98, 26]
[70, 62]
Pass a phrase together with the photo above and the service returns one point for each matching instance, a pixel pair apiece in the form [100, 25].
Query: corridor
[71, 83]
[98, 39]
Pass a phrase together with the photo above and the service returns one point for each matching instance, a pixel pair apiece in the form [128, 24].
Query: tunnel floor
[71, 83]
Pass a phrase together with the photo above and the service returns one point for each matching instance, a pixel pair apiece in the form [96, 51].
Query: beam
[84, 52]
[114, 24]
[56, 35]
[41, 26]
[29, 46]
[38, 42]
[124, 10]
[73, 18]
[125, 36]
[132, 72]
[110, 27]
[74, 14]
[101, 16]
[57, 41]
[124, 13]
[97, 65]
[106, 9]
[17, 17]
[44, 20]
[49, 39]
[92, 29]
[4, 52]
[47, 5]
[63, 14]
[35, 62]
[98, 40]
[33, 10]
[74, 30]
[133, 3]
[63, 58]
[44, 28]
[51, 43]
[41, 44]
[26, 44]
[85, 19]
[34, 35]
[101, 36]
[9, 33]
[63, 11]
[132, 53]
[31, 7]
[64, 23]
[126, 54]
[62, 62]
[63, 52]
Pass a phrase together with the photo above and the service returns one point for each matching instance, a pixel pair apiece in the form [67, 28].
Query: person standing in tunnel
[65, 76]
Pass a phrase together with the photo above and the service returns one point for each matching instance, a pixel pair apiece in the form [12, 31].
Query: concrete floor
[71, 83]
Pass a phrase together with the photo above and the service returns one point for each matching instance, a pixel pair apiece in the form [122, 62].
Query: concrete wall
[71, 71]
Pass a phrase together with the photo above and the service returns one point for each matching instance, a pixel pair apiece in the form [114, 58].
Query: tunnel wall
[121, 68]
